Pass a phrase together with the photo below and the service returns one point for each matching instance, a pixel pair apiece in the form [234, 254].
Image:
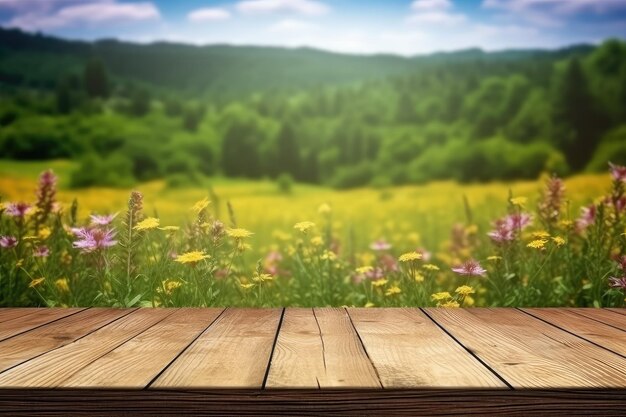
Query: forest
[130, 113]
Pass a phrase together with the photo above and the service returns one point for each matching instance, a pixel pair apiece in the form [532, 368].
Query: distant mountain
[219, 71]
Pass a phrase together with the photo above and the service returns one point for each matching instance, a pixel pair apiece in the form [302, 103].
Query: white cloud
[292, 25]
[72, 14]
[430, 5]
[305, 7]
[207, 14]
[434, 12]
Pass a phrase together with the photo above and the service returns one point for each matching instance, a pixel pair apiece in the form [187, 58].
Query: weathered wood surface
[305, 361]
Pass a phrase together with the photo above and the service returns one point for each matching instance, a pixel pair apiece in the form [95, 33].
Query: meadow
[253, 243]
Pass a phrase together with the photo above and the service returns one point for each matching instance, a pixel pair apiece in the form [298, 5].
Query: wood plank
[319, 348]
[233, 352]
[37, 318]
[138, 361]
[12, 313]
[52, 368]
[27, 345]
[409, 350]
[594, 331]
[529, 353]
[601, 315]
[618, 310]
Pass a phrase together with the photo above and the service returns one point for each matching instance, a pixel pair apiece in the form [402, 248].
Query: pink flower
[502, 232]
[41, 251]
[8, 242]
[618, 282]
[93, 239]
[621, 261]
[102, 220]
[470, 268]
[618, 172]
[587, 217]
[518, 221]
[426, 255]
[380, 245]
[17, 209]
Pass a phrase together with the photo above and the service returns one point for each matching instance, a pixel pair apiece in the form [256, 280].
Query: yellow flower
[200, 205]
[304, 226]
[239, 233]
[62, 284]
[44, 233]
[246, 286]
[471, 229]
[262, 277]
[393, 291]
[364, 269]
[419, 277]
[379, 282]
[566, 224]
[147, 224]
[369, 304]
[440, 296]
[542, 234]
[410, 256]
[431, 267]
[169, 228]
[494, 258]
[36, 282]
[537, 244]
[450, 304]
[464, 290]
[171, 285]
[317, 241]
[329, 255]
[558, 240]
[519, 201]
[191, 257]
[324, 209]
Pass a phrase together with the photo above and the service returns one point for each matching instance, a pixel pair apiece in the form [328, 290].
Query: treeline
[474, 118]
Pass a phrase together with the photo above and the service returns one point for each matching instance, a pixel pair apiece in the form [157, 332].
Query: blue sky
[365, 26]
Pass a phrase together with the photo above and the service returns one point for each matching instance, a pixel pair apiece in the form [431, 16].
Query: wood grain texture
[602, 315]
[22, 324]
[409, 350]
[11, 313]
[233, 352]
[136, 362]
[52, 368]
[606, 336]
[319, 348]
[618, 310]
[53, 335]
[344, 402]
[529, 353]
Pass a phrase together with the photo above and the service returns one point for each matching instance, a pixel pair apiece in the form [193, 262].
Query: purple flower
[8, 242]
[618, 282]
[93, 239]
[502, 232]
[470, 268]
[380, 245]
[518, 221]
[17, 209]
[587, 217]
[618, 172]
[41, 251]
[102, 220]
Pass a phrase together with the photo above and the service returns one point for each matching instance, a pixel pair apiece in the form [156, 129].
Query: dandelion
[191, 258]
[464, 290]
[324, 209]
[8, 242]
[171, 285]
[430, 267]
[62, 284]
[380, 245]
[18, 210]
[618, 172]
[200, 205]
[104, 220]
[519, 201]
[364, 269]
[246, 286]
[450, 304]
[410, 257]
[470, 268]
[541, 234]
[261, 277]
[329, 256]
[441, 296]
[304, 227]
[395, 290]
[558, 241]
[41, 251]
[36, 282]
[239, 233]
[93, 239]
[44, 233]
[147, 224]
[537, 244]
[379, 283]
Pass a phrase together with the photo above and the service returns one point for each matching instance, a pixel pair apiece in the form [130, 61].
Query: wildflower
[36, 282]
[44, 233]
[103, 220]
[410, 256]
[329, 255]
[537, 244]
[450, 304]
[587, 217]
[17, 209]
[519, 201]
[147, 224]
[618, 282]
[566, 224]
[419, 277]
[364, 269]
[171, 285]
[62, 284]
[46, 192]
[246, 286]
[200, 205]
[430, 267]
[8, 242]
[324, 209]
[242, 247]
[494, 258]
[551, 200]
[317, 241]
[441, 296]
[464, 290]
[93, 239]
[558, 241]
[470, 268]
[191, 258]
[502, 232]
[541, 234]
[618, 172]
[380, 245]
[262, 277]
[518, 221]
[395, 290]
[239, 233]
[169, 228]
[379, 283]
[304, 226]
[41, 251]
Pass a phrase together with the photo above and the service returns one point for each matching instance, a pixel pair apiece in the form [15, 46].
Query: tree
[288, 152]
[95, 79]
[405, 111]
